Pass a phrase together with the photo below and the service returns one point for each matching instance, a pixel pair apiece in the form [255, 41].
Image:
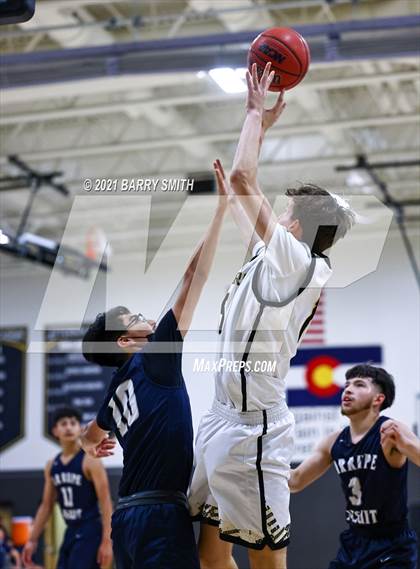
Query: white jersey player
[245, 442]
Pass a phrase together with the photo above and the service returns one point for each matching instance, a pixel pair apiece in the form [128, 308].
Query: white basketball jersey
[263, 317]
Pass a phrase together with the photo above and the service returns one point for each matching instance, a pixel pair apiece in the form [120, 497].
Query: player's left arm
[399, 443]
[95, 471]
[314, 466]
[96, 442]
[243, 177]
[199, 267]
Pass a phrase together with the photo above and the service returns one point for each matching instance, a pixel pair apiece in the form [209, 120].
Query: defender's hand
[103, 449]
[222, 185]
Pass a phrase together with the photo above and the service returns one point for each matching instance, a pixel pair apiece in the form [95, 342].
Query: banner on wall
[314, 386]
[69, 378]
[12, 385]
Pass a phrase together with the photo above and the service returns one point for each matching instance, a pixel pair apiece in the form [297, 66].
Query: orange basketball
[289, 55]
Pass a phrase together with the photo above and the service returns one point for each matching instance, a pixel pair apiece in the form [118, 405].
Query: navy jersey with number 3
[76, 494]
[148, 408]
[376, 493]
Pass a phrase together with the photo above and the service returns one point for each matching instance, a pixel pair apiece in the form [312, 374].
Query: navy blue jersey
[375, 492]
[75, 493]
[148, 408]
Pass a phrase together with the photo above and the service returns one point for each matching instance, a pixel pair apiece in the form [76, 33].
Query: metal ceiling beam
[214, 97]
[362, 162]
[264, 169]
[236, 14]
[287, 5]
[77, 3]
[189, 42]
[12, 269]
[328, 42]
[378, 165]
[170, 18]
[87, 88]
[52, 16]
[174, 141]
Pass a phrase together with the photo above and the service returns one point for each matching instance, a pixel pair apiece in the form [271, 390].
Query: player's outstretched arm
[96, 442]
[399, 442]
[314, 466]
[244, 171]
[96, 472]
[199, 267]
[44, 511]
[239, 215]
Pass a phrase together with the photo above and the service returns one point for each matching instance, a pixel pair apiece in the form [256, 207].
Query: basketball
[288, 53]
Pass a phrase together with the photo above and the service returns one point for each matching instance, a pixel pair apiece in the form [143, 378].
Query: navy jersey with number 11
[376, 493]
[76, 494]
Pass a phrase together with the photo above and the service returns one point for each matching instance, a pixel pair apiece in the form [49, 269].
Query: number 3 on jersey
[124, 406]
[356, 489]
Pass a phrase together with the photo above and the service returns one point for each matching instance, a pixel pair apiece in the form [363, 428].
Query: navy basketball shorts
[80, 546]
[361, 552]
[158, 536]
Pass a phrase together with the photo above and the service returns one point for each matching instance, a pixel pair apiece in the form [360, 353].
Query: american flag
[315, 334]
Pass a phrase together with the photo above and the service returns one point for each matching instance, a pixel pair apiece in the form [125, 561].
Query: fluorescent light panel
[4, 239]
[228, 79]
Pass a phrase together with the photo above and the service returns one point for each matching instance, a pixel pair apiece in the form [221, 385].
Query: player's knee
[267, 558]
[215, 558]
[209, 560]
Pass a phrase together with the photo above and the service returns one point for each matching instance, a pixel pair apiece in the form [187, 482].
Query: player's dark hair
[379, 377]
[66, 413]
[99, 343]
[322, 218]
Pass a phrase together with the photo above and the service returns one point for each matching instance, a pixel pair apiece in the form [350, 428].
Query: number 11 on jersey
[67, 493]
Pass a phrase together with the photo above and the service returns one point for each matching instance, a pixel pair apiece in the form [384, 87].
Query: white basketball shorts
[240, 482]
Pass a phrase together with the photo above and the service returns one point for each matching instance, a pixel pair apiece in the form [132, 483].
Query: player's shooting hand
[258, 88]
[104, 556]
[270, 116]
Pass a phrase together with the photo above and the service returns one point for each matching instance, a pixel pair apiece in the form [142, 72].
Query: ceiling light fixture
[228, 79]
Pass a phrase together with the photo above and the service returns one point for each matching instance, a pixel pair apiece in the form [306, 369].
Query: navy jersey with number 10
[148, 408]
[376, 493]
